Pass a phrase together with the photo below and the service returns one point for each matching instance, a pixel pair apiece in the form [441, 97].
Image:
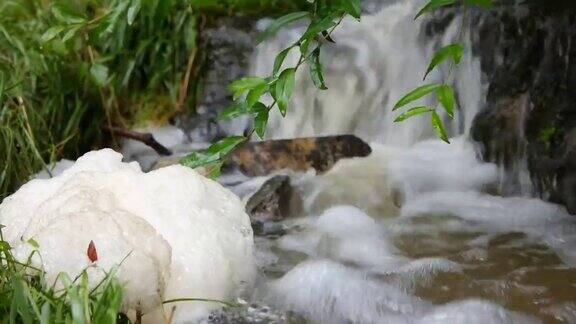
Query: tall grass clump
[70, 68]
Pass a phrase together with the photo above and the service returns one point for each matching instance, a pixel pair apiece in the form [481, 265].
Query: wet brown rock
[274, 201]
[299, 154]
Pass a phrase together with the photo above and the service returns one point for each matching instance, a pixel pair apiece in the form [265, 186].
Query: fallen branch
[145, 138]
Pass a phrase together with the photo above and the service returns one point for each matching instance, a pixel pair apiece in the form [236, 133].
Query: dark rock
[274, 201]
[299, 154]
[528, 57]
[227, 45]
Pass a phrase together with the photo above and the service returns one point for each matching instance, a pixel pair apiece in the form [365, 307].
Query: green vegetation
[67, 68]
[26, 297]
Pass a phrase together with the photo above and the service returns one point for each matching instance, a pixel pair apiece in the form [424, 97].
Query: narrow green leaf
[316, 70]
[133, 11]
[433, 5]
[242, 85]
[281, 22]
[45, 318]
[481, 3]
[413, 112]
[65, 17]
[352, 7]
[416, 94]
[33, 243]
[51, 33]
[445, 95]
[304, 44]
[255, 94]
[279, 60]
[283, 89]
[260, 122]
[439, 127]
[71, 33]
[453, 51]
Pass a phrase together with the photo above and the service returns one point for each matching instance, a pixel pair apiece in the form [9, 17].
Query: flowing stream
[416, 232]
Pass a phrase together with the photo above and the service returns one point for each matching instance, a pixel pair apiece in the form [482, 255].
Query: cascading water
[373, 64]
[409, 234]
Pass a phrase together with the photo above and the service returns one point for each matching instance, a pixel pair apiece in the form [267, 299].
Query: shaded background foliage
[68, 68]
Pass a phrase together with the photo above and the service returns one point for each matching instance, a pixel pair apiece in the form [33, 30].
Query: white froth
[346, 234]
[186, 236]
[329, 292]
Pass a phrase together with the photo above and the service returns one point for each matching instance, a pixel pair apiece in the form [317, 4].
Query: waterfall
[373, 63]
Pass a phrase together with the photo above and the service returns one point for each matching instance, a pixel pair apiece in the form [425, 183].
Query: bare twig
[138, 317]
[186, 80]
[171, 316]
[145, 138]
[192, 58]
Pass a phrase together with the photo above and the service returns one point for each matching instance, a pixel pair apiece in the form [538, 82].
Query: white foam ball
[189, 236]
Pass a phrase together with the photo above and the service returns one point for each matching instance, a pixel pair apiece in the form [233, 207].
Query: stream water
[416, 232]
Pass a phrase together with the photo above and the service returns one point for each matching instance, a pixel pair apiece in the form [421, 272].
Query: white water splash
[411, 185]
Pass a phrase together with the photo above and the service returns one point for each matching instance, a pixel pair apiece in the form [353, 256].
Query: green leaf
[214, 169]
[214, 153]
[260, 122]
[445, 95]
[416, 94]
[33, 243]
[453, 51]
[45, 319]
[279, 60]
[234, 111]
[281, 22]
[5, 246]
[283, 89]
[481, 3]
[439, 127]
[352, 7]
[71, 33]
[225, 145]
[433, 5]
[318, 26]
[304, 44]
[133, 11]
[255, 94]
[66, 17]
[327, 37]
[99, 73]
[413, 112]
[51, 33]
[316, 70]
[258, 107]
[242, 85]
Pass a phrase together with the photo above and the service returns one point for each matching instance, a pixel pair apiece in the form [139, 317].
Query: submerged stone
[274, 201]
